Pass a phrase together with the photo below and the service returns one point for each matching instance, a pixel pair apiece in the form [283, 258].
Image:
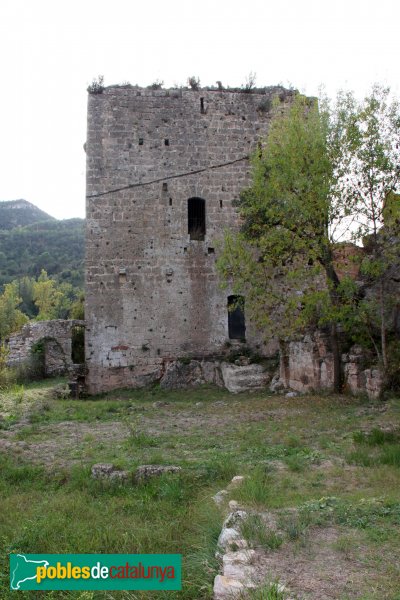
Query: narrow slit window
[236, 320]
[197, 218]
[202, 109]
[78, 344]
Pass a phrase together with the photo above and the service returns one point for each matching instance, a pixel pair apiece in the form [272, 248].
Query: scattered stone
[199, 404]
[160, 403]
[291, 395]
[59, 392]
[242, 361]
[237, 480]
[109, 472]
[225, 588]
[233, 505]
[220, 497]
[145, 472]
[276, 386]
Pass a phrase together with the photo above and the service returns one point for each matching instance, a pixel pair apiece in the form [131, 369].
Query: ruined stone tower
[163, 167]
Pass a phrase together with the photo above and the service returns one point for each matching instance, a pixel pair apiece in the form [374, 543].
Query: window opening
[236, 320]
[197, 218]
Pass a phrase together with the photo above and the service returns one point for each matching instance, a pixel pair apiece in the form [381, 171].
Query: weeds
[255, 530]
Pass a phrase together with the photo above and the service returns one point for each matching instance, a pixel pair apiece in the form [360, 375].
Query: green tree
[369, 175]
[321, 177]
[11, 318]
[285, 248]
[46, 296]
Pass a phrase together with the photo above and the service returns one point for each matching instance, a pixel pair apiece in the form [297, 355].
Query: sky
[51, 50]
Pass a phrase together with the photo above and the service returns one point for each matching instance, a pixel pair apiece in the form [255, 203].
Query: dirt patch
[62, 441]
[316, 571]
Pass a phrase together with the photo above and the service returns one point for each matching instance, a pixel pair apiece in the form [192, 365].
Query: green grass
[255, 531]
[334, 459]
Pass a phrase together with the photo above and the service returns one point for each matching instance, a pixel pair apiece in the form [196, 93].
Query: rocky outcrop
[358, 378]
[307, 365]
[244, 378]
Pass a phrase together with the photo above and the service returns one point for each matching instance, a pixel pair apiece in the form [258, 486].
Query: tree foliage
[322, 176]
[11, 318]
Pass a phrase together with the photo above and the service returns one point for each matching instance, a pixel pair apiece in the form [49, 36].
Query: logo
[95, 571]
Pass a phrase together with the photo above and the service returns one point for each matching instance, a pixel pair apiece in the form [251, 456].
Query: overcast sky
[51, 50]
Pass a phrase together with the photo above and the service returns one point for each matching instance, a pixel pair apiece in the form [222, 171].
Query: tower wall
[152, 293]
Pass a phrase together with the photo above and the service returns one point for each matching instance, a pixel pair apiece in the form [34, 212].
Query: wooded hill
[31, 240]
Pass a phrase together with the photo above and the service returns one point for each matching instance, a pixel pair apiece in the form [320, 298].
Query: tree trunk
[333, 281]
[337, 362]
[383, 327]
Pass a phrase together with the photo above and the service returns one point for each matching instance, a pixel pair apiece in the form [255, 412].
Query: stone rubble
[109, 472]
[145, 472]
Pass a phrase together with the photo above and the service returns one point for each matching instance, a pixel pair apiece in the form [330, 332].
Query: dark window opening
[220, 203]
[165, 187]
[78, 344]
[170, 201]
[202, 109]
[166, 142]
[140, 141]
[197, 218]
[236, 321]
[211, 250]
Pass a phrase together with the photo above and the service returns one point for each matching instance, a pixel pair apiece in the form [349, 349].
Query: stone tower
[163, 167]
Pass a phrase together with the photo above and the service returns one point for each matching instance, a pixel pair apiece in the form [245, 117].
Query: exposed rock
[108, 472]
[359, 379]
[237, 565]
[233, 505]
[235, 481]
[230, 538]
[145, 472]
[242, 361]
[227, 589]
[307, 364]
[180, 374]
[244, 378]
[220, 497]
[291, 394]
[276, 384]
[235, 518]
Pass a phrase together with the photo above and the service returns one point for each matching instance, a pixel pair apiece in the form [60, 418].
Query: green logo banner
[95, 571]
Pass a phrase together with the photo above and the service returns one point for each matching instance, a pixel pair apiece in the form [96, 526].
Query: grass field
[326, 467]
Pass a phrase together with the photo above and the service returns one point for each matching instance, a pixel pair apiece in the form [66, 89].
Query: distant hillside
[43, 243]
[18, 213]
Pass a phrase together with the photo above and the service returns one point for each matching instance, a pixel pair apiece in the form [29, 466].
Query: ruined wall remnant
[306, 365]
[152, 292]
[56, 337]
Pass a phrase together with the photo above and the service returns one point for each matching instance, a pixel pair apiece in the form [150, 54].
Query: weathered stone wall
[152, 294]
[57, 339]
[307, 365]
